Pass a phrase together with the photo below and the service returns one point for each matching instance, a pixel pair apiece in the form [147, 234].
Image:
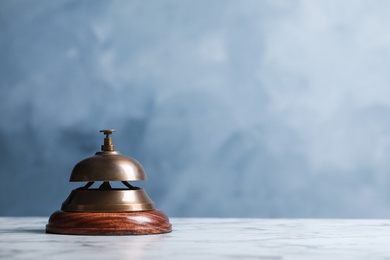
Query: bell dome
[108, 165]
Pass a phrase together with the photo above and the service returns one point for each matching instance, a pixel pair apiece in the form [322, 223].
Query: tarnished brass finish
[115, 200]
[108, 166]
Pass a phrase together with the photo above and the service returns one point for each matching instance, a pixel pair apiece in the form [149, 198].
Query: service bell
[106, 210]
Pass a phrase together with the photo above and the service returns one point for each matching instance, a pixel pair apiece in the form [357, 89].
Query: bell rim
[113, 200]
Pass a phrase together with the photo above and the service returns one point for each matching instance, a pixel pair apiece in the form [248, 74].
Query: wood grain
[118, 223]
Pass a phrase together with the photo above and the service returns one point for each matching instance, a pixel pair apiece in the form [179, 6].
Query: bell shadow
[31, 231]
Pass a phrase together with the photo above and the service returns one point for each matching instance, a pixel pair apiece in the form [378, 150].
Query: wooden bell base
[111, 224]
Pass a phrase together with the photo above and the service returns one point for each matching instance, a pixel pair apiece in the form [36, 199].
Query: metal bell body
[108, 165]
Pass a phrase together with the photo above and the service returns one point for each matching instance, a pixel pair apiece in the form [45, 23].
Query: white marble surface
[206, 238]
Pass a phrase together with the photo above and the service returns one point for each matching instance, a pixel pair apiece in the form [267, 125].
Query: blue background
[234, 108]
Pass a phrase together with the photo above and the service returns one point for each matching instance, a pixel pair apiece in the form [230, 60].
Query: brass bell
[106, 210]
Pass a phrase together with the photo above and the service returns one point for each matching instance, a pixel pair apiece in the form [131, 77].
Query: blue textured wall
[234, 108]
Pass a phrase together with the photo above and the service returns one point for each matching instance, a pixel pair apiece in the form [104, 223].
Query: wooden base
[116, 223]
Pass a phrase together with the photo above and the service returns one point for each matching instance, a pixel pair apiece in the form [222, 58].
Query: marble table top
[206, 238]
